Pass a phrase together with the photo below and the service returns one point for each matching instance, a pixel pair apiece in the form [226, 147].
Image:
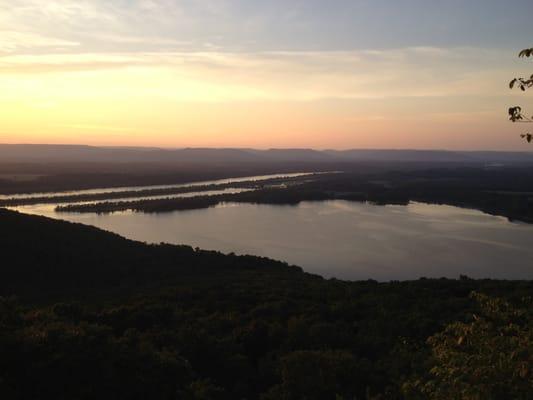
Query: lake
[341, 239]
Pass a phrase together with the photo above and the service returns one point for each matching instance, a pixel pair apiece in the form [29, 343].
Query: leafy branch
[515, 113]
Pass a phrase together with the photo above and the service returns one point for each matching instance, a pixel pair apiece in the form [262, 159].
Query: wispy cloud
[249, 25]
[111, 25]
[409, 72]
[16, 41]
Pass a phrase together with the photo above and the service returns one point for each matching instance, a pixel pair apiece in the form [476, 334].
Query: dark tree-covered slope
[85, 314]
[45, 259]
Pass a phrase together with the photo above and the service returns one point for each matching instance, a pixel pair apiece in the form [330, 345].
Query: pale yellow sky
[111, 87]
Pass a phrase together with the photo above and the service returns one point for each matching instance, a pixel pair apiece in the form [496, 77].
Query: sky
[264, 74]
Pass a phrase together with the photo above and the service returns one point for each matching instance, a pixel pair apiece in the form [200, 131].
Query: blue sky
[253, 25]
[345, 25]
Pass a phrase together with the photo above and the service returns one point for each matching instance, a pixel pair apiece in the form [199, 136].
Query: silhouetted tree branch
[515, 113]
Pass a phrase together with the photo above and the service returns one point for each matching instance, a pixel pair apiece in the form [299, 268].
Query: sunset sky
[277, 73]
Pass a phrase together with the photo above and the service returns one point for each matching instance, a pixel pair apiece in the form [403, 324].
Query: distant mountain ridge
[82, 153]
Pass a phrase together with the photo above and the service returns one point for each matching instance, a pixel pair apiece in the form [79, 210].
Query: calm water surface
[341, 239]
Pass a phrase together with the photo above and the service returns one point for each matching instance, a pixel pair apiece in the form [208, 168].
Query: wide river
[341, 239]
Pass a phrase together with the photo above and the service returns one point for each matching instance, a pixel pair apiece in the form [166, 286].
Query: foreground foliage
[98, 316]
[490, 357]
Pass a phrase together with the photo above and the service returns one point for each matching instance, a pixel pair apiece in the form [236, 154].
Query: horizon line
[147, 147]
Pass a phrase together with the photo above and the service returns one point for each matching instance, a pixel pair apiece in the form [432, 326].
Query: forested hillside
[86, 314]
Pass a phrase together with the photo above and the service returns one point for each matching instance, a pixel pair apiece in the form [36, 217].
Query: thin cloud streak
[295, 76]
[13, 41]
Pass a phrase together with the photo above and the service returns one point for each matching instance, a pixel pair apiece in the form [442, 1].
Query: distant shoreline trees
[515, 113]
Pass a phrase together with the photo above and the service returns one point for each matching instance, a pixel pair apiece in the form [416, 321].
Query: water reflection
[342, 239]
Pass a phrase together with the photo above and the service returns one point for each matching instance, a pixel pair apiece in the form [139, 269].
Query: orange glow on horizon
[267, 100]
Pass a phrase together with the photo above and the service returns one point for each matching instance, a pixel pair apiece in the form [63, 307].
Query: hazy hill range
[45, 168]
[73, 153]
